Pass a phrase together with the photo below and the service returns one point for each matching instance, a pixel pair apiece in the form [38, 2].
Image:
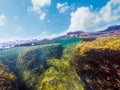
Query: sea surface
[65, 42]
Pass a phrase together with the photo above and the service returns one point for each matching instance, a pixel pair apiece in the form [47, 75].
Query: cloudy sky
[25, 19]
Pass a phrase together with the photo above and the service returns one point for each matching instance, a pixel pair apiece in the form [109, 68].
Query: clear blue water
[65, 42]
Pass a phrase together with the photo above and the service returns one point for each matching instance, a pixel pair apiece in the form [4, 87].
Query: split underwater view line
[59, 45]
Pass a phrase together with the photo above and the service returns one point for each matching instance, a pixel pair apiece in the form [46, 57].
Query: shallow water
[69, 41]
[29, 62]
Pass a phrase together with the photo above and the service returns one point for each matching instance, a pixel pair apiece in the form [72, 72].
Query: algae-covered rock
[98, 63]
[31, 62]
[33, 57]
[68, 51]
[7, 79]
[60, 76]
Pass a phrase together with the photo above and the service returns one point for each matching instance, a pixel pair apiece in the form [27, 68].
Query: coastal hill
[111, 30]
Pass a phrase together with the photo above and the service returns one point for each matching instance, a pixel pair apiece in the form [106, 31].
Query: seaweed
[98, 63]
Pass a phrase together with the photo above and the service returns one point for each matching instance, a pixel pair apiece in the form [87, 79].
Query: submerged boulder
[59, 76]
[98, 63]
[32, 62]
[8, 81]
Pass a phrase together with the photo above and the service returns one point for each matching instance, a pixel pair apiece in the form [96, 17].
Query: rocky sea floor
[91, 65]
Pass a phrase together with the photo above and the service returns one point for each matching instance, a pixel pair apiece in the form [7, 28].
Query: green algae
[8, 80]
[43, 67]
[32, 62]
[59, 76]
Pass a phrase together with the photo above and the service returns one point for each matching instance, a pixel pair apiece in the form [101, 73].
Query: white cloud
[63, 7]
[48, 35]
[38, 7]
[42, 16]
[2, 20]
[86, 19]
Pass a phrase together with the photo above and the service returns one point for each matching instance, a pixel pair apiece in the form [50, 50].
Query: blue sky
[25, 19]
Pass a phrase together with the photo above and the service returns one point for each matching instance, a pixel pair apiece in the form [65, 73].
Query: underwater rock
[98, 63]
[59, 76]
[68, 51]
[31, 62]
[9, 56]
[8, 81]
